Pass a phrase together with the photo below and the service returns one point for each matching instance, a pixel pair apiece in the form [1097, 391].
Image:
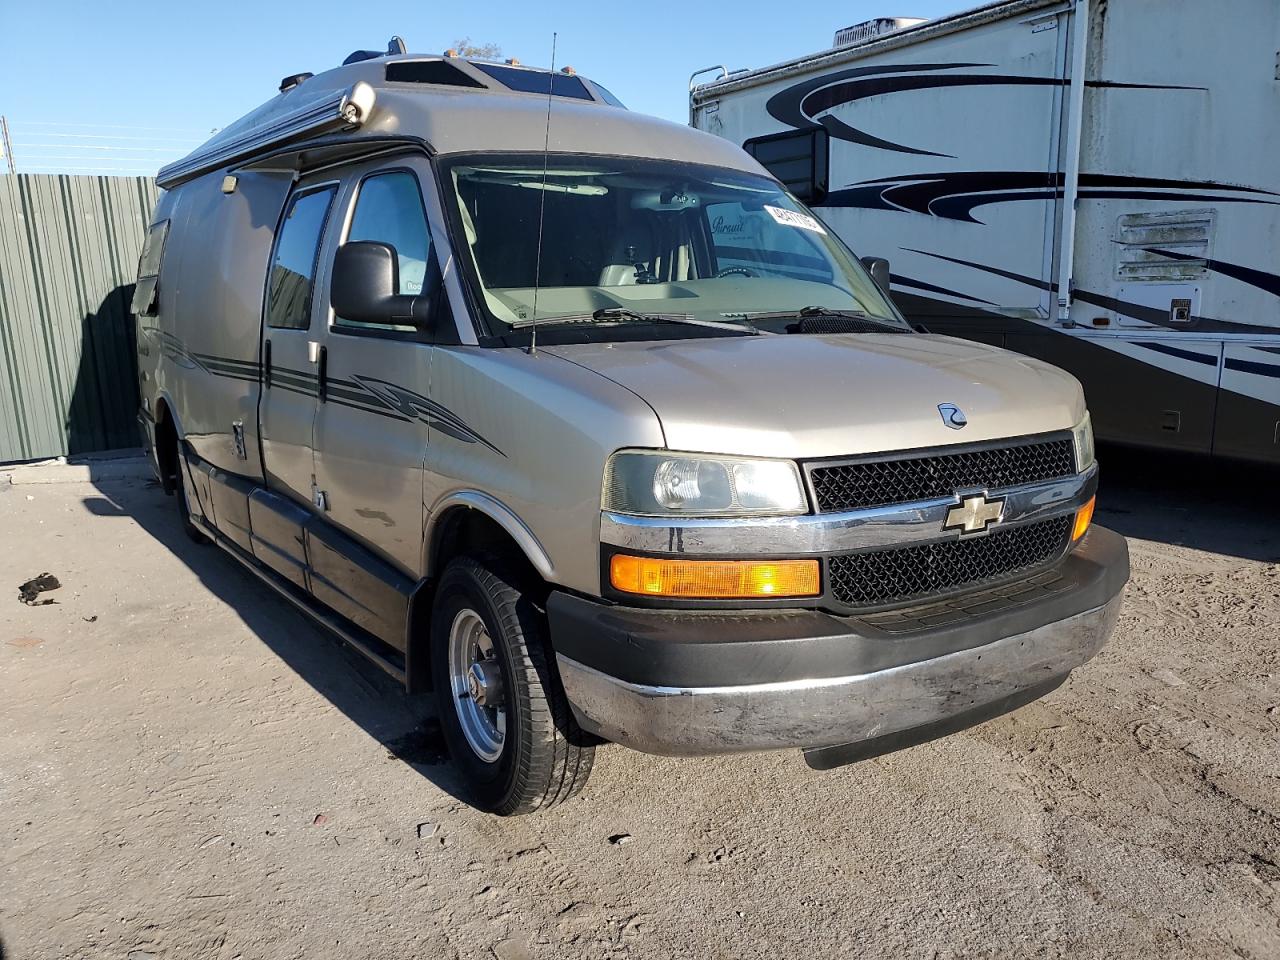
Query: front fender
[499, 513]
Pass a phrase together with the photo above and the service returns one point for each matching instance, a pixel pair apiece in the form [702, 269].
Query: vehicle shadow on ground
[1216, 506]
[1229, 509]
[404, 724]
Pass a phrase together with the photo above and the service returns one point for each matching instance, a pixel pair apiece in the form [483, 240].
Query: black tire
[184, 506]
[544, 758]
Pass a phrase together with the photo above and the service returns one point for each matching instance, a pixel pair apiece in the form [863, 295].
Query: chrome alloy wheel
[475, 679]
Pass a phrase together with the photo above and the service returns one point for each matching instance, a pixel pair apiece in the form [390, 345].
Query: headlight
[656, 483]
[1082, 434]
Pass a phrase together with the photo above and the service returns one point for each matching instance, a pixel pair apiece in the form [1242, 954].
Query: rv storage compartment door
[1248, 415]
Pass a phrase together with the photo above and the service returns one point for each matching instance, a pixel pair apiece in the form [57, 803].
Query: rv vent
[395, 47]
[430, 71]
[291, 81]
[1164, 246]
[873, 28]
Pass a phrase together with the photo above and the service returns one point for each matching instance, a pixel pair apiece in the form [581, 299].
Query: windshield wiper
[618, 314]
[804, 312]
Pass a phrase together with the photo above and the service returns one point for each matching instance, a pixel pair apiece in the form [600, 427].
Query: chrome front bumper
[813, 713]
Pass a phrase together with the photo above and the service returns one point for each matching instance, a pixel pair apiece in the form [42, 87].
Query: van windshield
[625, 240]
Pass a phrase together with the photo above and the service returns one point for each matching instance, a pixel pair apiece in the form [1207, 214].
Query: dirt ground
[188, 769]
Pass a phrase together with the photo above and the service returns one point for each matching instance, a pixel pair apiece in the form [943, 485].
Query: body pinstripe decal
[1252, 366]
[365, 394]
[1170, 351]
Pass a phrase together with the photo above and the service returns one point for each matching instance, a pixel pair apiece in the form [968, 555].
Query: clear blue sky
[184, 68]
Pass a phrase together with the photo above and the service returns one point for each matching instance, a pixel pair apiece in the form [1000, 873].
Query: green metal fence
[68, 257]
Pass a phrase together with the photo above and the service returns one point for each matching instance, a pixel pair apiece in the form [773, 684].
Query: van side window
[389, 210]
[145, 299]
[293, 268]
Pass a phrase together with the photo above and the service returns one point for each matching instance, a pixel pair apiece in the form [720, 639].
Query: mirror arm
[411, 310]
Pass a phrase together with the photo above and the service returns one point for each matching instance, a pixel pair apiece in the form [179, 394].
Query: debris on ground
[25, 643]
[427, 830]
[29, 591]
[618, 839]
[93, 619]
[320, 820]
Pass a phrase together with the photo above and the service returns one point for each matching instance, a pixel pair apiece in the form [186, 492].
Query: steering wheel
[734, 272]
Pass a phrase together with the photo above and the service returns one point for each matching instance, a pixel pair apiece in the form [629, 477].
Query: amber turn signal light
[714, 579]
[1084, 516]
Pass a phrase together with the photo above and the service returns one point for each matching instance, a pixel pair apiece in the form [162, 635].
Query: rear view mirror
[366, 276]
[878, 267]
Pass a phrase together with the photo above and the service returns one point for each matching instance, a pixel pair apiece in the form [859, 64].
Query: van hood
[803, 396]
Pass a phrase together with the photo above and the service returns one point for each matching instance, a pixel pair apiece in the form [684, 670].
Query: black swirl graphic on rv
[794, 106]
[954, 196]
[806, 104]
[1268, 282]
[1137, 311]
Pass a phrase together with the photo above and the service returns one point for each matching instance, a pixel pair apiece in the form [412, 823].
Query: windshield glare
[646, 236]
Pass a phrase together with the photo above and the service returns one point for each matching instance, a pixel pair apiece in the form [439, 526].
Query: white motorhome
[1092, 183]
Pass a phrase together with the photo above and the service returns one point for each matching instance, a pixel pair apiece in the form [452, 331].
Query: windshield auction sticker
[789, 218]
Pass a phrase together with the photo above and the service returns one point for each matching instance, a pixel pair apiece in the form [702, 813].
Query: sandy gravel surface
[197, 773]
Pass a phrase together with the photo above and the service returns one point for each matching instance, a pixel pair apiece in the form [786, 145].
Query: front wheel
[504, 715]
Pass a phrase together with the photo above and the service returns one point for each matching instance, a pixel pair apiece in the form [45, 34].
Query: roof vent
[395, 47]
[873, 28]
[291, 81]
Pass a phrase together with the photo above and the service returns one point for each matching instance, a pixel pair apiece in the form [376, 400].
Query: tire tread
[550, 767]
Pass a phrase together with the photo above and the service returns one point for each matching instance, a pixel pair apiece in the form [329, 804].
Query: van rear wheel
[502, 710]
[178, 479]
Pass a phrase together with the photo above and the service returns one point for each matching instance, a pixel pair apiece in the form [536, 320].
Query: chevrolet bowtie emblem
[974, 514]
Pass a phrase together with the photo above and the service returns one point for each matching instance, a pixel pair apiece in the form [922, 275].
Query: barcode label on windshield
[789, 218]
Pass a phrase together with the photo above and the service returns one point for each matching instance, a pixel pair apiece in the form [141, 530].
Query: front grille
[884, 577]
[931, 613]
[869, 483]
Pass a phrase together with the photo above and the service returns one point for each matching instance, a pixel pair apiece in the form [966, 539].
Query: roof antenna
[542, 201]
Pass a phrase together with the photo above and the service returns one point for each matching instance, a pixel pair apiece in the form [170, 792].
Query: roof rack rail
[342, 111]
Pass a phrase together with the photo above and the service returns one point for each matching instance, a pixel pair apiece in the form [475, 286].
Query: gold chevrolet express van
[579, 419]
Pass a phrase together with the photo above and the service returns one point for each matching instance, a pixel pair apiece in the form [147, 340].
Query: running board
[362, 641]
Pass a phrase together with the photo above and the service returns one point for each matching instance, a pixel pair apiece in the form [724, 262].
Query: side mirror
[878, 267]
[366, 276]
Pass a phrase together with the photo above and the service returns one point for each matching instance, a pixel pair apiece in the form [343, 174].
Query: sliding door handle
[266, 363]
